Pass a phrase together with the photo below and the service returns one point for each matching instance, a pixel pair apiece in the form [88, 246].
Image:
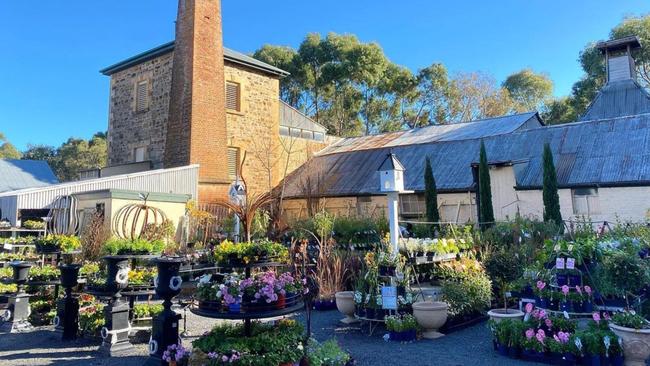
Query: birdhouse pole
[391, 180]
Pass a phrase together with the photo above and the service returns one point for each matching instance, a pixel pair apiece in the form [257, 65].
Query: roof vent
[618, 57]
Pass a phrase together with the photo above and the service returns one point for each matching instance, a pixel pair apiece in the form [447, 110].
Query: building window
[306, 134]
[585, 201]
[141, 95]
[233, 96]
[295, 132]
[284, 131]
[319, 136]
[139, 154]
[411, 204]
[233, 162]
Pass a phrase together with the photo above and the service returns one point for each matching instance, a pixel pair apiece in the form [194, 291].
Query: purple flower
[530, 333]
[541, 285]
[529, 307]
[549, 323]
[565, 290]
[596, 317]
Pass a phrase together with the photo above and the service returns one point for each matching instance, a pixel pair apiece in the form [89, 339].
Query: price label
[8, 246]
[570, 263]
[557, 247]
[389, 297]
[570, 247]
[559, 263]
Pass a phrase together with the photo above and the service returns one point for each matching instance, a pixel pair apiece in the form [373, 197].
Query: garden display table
[264, 312]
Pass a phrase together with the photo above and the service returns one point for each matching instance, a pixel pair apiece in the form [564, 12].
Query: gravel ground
[470, 346]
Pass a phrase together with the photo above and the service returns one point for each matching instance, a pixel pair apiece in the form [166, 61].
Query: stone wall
[128, 129]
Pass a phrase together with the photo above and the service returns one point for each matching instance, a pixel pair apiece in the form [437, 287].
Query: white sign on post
[559, 263]
[389, 297]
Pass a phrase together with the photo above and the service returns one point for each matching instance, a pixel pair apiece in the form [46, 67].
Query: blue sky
[50, 87]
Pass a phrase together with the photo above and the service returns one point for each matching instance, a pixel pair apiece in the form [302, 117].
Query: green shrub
[327, 353]
[504, 268]
[115, 246]
[466, 288]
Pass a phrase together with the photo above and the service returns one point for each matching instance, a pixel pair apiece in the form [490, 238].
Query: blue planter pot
[541, 303]
[562, 279]
[234, 308]
[502, 349]
[587, 307]
[591, 360]
[563, 359]
[565, 306]
[616, 360]
[514, 352]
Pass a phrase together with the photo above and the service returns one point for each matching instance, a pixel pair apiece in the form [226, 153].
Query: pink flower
[596, 317]
[529, 307]
[606, 316]
[549, 323]
[588, 290]
[541, 285]
[565, 290]
[578, 289]
[563, 337]
[542, 314]
[540, 336]
[530, 333]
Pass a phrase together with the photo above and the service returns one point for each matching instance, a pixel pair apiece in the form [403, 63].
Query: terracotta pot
[500, 314]
[636, 344]
[345, 305]
[282, 302]
[430, 315]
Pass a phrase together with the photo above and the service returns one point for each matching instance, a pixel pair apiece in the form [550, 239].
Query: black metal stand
[164, 330]
[67, 317]
[115, 333]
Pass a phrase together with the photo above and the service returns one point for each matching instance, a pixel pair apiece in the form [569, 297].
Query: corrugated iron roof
[449, 132]
[617, 99]
[228, 55]
[613, 152]
[291, 117]
[20, 174]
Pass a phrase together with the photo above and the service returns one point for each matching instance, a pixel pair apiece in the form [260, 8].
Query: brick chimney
[618, 58]
[196, 130]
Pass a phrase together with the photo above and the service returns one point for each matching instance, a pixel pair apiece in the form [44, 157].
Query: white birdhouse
[391, 174]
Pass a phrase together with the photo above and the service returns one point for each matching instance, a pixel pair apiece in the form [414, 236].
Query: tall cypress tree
[486, 213]
[549, 189]
[430, 193]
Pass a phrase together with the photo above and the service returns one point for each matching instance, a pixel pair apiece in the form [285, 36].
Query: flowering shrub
[175, 352]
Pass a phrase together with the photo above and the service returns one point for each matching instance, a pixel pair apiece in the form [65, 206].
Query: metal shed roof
[438, 133]
[228, 55]
[19, 174]
[613, 152]
[617, 99]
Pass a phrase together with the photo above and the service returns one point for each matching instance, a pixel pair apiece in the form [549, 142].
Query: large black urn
[67, 309]
[17, 313]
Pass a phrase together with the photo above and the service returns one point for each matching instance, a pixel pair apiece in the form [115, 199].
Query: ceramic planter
[500, 314]
[345, 305]
[430, 315]
[636, 344]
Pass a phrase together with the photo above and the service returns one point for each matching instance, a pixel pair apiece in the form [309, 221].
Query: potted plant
[613, 349]
[175, 354]
[588, 304]
[634, 331]
[232, 297]
[208, 294]
[565, 305]
[387, 263]
[401, 328]
[533, 345]
[561, 350]
[431, 316]
[593, 347]
[541, 294]
[47, 244]
[502, 331]
[504, 269]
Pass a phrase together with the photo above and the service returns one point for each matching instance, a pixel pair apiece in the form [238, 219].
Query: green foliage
[115, 246]
[430, 193]
[142, 276]
[147, 310]
[260, 225]
[8, 150]
[465, 287]
[89, 269]
[549, 189]
[630, 320]
[33, 225]
[250, 252]
[328, 353]
[627, 274]
[401, 323]
[528, 89]
[351, 230]
[268, 344]
[45, 273]
[486, 214]
[504, 268]
[72, 156]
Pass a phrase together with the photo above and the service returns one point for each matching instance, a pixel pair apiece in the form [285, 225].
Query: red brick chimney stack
[196, 130]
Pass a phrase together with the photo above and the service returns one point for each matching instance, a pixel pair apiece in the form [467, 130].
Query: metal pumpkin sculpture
[131, 221]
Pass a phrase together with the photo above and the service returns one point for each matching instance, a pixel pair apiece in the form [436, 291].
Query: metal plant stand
[67, 317]
[165, 325]
[17, 313]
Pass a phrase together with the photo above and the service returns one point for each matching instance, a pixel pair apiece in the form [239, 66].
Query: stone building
[602, 161]
[193, 101]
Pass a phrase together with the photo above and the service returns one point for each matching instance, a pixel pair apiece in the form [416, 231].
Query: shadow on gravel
[40, 338]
